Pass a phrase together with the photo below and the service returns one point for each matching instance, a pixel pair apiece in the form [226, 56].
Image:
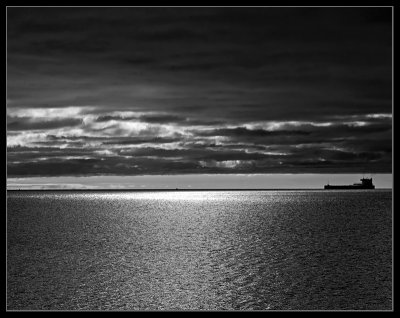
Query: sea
[286, 250]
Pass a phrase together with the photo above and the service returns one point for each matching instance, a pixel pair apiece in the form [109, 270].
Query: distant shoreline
[185, 190]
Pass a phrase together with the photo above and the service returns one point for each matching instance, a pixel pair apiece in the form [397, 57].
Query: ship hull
[347, 187]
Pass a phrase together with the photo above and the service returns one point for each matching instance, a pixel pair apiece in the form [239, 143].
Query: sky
[117, 92]
[198, 181]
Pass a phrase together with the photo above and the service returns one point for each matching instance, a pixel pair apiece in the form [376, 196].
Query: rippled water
[238, 250]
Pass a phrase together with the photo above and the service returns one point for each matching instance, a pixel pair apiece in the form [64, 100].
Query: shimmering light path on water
[199, 250]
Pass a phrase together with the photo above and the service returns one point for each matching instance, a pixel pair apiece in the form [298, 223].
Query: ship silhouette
[365, 184]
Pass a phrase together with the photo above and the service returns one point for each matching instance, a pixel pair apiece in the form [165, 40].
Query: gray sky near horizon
[199, 181]
[172, 91]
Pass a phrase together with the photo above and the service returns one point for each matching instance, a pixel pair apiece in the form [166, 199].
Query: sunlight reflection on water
[199, 250]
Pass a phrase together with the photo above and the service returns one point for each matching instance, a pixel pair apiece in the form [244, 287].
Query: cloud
[244, 132]
[198, 90]
[26, 123]
[138, 140]
[207, 57]
[116, 145]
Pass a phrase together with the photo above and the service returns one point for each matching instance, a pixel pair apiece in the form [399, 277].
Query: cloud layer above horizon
[134, 91]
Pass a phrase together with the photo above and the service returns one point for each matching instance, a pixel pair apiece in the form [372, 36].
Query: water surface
[215, 250]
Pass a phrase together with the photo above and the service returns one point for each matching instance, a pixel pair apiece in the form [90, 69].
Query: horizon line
[187, 189]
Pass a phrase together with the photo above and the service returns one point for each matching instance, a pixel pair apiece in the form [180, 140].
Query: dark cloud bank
[126, 91]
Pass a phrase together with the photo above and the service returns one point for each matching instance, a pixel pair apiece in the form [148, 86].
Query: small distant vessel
[365, 184]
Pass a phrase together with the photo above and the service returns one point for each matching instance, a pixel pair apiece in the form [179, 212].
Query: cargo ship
[365, 184]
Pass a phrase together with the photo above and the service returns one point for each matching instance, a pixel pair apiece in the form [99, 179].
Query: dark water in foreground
[239, 250]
